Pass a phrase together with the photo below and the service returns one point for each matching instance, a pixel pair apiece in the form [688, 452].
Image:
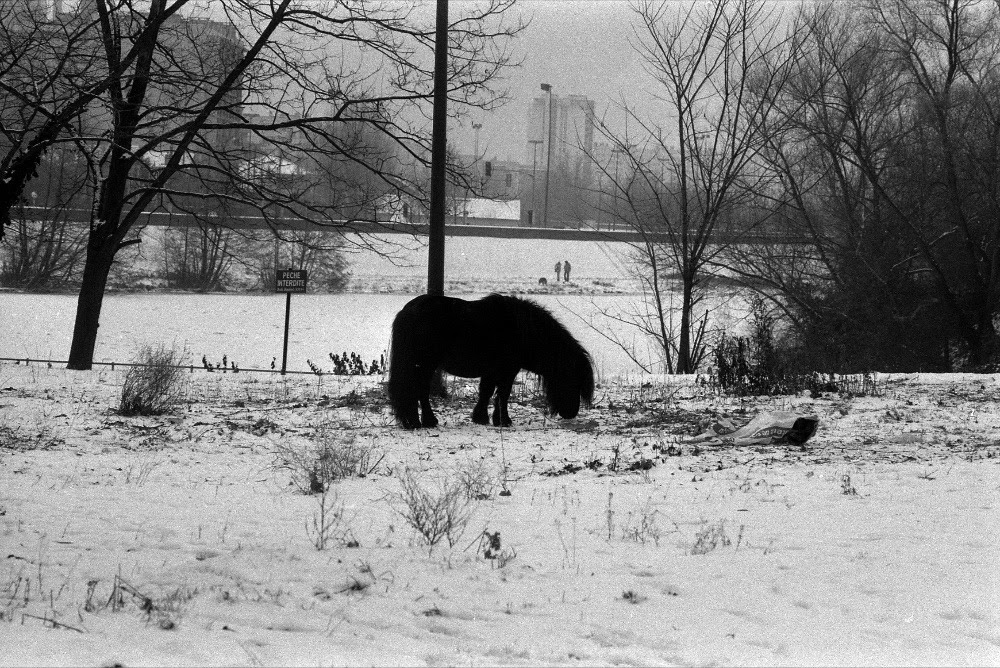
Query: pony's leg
[428, 418]
[423, 399]
[411, 419]
[500, 416]
[480, 414]
[407, 414]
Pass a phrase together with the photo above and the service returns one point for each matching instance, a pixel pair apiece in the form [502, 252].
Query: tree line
[866, 132]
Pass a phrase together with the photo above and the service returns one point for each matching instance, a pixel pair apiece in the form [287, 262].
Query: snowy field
[185, 539]
[248, 328]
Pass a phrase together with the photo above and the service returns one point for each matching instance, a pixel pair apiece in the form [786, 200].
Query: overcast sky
[578, 46]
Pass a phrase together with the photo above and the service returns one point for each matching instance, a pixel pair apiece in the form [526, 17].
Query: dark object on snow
[543, 281]
[766, 429]
[493, 339]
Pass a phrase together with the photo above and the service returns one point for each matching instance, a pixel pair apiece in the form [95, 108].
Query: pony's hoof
[430, 424]
[482, 419]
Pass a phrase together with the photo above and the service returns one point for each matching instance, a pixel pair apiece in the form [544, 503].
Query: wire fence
[192, 367]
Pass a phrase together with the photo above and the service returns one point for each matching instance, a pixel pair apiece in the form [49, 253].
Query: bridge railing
[469, 228]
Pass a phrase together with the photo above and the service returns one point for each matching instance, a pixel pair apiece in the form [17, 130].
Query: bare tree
[950, 50]
[51, 72]
[685, 180]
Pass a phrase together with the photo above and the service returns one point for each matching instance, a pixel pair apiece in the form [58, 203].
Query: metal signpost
[288, 281]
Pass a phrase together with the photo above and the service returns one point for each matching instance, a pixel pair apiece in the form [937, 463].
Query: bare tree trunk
[101, 252]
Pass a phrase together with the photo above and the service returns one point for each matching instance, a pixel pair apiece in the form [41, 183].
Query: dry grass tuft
[155, 385]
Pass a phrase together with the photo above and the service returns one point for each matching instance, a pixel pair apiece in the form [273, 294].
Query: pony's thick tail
[402, 388]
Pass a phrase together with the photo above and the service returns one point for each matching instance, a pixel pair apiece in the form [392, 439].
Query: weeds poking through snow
[165, 611]
[332, 456]
[846, 486]
[479, 483]
[154, 387]
[366, 577]
[354, 365]
[630, 596]
[609, 515]
[23, 439]
[491, 548]
[710, 537]
[328, 524]
[435, 514]
[137, 472]
[643, 525]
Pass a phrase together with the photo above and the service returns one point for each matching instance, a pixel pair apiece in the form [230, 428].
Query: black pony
[493, 339]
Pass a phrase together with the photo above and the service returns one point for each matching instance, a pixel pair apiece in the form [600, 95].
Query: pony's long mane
[562, 362]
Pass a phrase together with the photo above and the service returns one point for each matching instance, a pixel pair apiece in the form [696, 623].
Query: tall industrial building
[558, 160]
[571, 133]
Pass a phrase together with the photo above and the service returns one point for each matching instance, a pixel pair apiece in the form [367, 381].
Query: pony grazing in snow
[492, 338]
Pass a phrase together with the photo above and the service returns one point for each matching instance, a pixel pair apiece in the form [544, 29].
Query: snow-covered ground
[184, 540]
[249, 328]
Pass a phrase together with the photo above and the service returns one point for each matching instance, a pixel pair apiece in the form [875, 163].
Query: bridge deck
[164, 219]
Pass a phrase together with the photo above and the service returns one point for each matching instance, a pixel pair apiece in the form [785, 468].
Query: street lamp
[617, 152]
[548, 159]
[534, 162]
[480, 182]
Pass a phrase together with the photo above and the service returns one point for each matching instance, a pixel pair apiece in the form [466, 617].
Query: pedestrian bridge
[468, 228]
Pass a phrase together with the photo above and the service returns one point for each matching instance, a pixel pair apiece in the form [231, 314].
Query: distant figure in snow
[565, 270]
[558, 270]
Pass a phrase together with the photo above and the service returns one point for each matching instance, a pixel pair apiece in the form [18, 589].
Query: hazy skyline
[579, 47]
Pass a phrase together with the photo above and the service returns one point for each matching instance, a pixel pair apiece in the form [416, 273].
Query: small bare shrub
[328, 525]
[331, 456]
[435, 514]
[155, 385]
[710, 537]
[477, 480]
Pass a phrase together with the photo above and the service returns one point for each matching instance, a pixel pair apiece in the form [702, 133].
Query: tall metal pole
[480, 184]
[284, 347]
[534, 162]
[439, 145]
[475, 159]
[548, 160]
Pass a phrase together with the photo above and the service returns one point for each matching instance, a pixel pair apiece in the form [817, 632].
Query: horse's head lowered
[571, 385]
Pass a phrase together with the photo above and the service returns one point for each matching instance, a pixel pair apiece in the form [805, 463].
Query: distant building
[572, 135]
[490, 178]
[569, 168]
